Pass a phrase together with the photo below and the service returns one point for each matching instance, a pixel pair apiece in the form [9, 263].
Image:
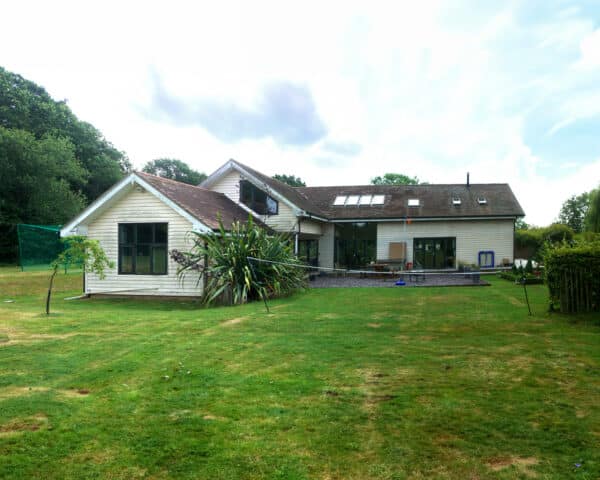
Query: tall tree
[291, 180]
[175, 170]
[27, 106]
[38, 176]
[592, 218]
[573, 211]
[395, 179]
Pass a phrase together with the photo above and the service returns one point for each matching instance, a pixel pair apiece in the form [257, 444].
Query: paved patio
[411, 280]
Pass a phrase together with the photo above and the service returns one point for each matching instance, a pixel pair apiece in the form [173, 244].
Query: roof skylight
[413, 202]
[482, 201]
[456, 201]
[352, 200]
[363, 200]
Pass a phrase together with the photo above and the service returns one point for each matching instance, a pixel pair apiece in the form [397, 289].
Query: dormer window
[257, 200]
[456, 201]
[482, 201]
[413, 202]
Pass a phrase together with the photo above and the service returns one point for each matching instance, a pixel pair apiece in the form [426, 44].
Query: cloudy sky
[333, 92]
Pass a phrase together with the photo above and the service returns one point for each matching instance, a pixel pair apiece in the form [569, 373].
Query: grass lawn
[419, 383]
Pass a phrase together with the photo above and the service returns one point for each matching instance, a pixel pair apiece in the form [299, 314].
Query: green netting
[39, 245]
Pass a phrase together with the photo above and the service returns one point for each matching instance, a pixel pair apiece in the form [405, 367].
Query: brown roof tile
[435, 201]
[205, 205]
[293, 194]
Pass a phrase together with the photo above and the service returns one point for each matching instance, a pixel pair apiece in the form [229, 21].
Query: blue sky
[335, 93]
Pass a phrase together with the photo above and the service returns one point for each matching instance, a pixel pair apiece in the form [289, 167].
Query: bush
[230, 276]
[573, 277]
[530, 278]
[530, 243]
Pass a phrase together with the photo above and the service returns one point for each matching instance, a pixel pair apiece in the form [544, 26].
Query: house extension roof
[434, 201]
[292, 194]
[205, 205]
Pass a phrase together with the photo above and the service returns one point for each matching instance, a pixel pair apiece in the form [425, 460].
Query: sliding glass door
[434, 253]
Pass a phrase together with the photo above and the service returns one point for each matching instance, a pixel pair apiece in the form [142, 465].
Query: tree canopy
[51, 163]
[175, 170]
[592, 218]
[41, 179]
[573, 211]
[396, 179]
[27, 106]
[291, 180]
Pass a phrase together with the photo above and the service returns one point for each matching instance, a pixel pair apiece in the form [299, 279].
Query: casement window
[257, 200]
[143, 248]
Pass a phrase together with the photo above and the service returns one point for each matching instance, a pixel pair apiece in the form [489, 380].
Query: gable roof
[200, 206]
[435, 201]
[205, 205]
[292, 194]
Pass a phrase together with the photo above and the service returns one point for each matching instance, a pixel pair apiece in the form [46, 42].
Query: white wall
[284, 221]
[472, 236]
[140, 207]
[229, 185]
[312, 227]
[326, 244]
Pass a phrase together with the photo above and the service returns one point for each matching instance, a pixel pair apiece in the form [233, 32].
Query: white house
[143, 217]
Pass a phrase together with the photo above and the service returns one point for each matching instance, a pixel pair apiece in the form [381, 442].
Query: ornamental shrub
[230, 276]
[573, 277]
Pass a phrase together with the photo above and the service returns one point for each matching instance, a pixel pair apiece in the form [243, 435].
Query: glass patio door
[434, 253]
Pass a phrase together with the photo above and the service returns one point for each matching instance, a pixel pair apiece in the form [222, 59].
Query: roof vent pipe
[468, 183]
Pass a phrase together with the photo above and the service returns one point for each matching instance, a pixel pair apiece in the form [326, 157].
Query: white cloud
[430, 89]
[590, 49]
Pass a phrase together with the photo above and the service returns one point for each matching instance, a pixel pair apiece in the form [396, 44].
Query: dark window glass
[159, 259]
[143, 248]
[308, 251]
[161, 233]
[126, 233]
[142, 259]
[126, 259]
[434, 253]
[355, 244]
[144, 232]
[257, 200]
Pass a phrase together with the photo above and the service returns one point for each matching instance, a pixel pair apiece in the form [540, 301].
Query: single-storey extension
[143, 217]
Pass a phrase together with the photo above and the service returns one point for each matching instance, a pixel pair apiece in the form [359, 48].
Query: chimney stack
[468, 183]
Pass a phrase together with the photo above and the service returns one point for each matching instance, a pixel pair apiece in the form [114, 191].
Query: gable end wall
[141, 207]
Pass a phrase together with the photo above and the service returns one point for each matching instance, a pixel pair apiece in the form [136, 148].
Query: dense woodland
[51, 163]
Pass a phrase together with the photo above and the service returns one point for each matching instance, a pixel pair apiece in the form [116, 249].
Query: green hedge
[530, 279]
[573, 277]
[533, 239]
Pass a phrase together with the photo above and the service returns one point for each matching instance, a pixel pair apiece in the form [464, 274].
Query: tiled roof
[205, 205]
[294, 195]
[435, 201]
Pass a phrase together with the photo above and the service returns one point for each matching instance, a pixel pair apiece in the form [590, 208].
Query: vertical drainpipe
[204, 272]
[296, 238]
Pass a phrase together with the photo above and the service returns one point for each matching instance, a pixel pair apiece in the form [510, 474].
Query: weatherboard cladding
[435, 201]
[205, 205]
[294, 194]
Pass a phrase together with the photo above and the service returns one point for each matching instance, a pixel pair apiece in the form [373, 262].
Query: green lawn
[394, 383]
